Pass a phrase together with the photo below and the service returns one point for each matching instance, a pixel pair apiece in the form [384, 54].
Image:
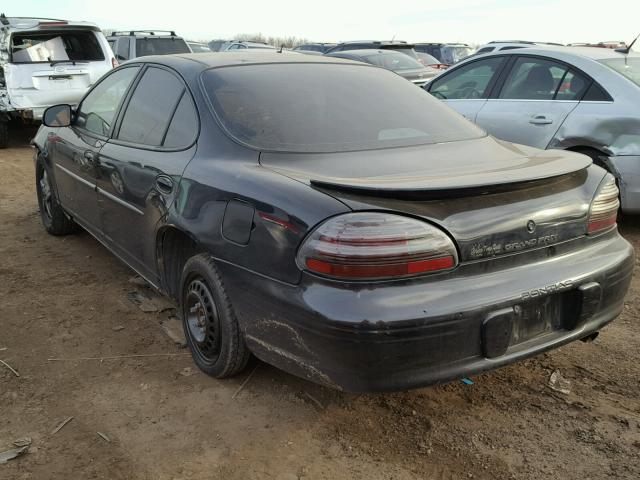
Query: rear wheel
[210, 326]
[4, 134]
[54, 218]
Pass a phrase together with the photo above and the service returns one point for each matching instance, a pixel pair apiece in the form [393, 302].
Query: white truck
[45, 62]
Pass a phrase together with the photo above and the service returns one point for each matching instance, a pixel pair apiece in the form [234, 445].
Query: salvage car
[446, 53]
[314, 47]
[44, 62]
[397, 62]
[140, 43]
[581, 99]
[396, 45]
[199, 47]
[367, 242]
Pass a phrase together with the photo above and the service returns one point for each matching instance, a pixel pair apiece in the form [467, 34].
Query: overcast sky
[470, 21]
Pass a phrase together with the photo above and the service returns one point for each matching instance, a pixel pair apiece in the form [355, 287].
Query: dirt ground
[68, 298]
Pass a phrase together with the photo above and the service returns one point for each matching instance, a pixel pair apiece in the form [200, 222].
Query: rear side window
[150, 109]
[467, 82]
[325, 109]
[533, 79]
[572, 86]
[596, 93]
[160, 46]
[33, 47]
[184, 124]
[122, 52]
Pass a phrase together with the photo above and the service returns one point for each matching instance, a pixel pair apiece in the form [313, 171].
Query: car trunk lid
[493, 197]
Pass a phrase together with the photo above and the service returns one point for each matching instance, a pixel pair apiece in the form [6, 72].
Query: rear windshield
[393, 61]
[33, 47]
[629, 67]
[160, 46]
[405, 50]
[307, 107]
[455, 54]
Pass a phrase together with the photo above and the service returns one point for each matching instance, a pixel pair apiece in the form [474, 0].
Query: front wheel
[54, 218]
[210, 326]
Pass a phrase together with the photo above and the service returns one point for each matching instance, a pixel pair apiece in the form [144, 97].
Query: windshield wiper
[56, 62]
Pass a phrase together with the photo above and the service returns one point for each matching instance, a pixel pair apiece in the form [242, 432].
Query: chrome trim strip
[75, 176]
[119, 201]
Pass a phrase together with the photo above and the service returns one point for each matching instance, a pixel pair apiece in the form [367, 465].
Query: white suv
[46, 62]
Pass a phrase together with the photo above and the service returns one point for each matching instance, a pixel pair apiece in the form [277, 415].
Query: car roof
[205, 61]
[366, 51]
[35, 23]
[593, 53]
[442, 43]
[376, 42]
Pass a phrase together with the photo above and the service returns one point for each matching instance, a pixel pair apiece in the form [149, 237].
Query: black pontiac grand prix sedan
[333, 219]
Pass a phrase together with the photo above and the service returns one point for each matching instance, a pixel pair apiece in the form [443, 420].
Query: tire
[210, 326]
[4, 134]
[54, 218]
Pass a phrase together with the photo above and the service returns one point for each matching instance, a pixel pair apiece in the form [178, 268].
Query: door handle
[164, 184]
[540, 120]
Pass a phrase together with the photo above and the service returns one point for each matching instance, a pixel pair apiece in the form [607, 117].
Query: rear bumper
[627, 169]
[405, 334]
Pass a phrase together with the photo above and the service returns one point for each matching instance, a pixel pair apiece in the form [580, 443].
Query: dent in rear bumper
[627, 170]
[399, 335]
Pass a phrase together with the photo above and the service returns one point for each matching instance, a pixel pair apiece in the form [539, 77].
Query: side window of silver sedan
[540, 79]
[467, 82]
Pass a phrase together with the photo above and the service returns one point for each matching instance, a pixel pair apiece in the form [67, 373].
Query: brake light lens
[604, 208]
[374, 245]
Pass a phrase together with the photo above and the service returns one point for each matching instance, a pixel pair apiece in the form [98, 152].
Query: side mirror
[57, 116]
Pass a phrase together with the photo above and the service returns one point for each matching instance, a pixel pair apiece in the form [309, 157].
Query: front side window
[467, 82]
[68, 45]
[98, 109]
[160, 46]
[324, 108]
[151, 107]
[533, 79]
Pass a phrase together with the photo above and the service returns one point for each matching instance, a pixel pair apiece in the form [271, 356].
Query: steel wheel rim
[202, 321]
[45, 190]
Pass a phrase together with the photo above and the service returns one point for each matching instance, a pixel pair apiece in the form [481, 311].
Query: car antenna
[626, 50]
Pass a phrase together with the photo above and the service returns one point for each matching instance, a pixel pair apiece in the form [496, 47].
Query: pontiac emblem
[531, 226]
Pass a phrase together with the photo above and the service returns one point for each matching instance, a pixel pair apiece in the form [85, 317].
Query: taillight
[604, 208]
[374, 245]
[439, 66]
[114, 62]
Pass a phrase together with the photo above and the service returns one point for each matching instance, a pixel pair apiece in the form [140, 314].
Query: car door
[467, 87]
[76, 149]
[537, 95]
[141, 165]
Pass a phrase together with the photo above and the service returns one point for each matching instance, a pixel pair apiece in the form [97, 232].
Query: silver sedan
[580, 99]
